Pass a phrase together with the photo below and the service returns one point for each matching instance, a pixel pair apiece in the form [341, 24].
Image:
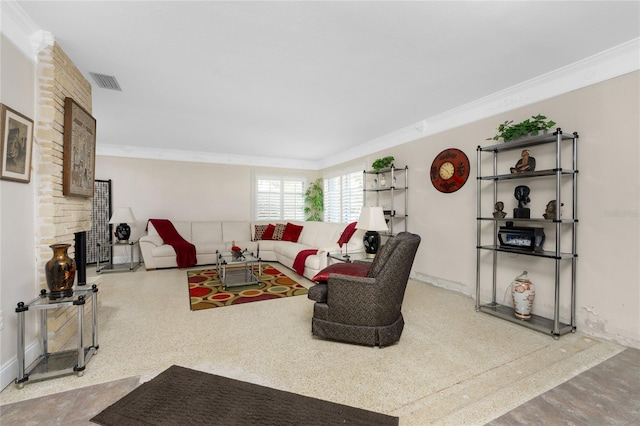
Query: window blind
[279, 198]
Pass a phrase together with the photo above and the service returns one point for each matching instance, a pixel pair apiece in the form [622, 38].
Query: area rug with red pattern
[206, 291]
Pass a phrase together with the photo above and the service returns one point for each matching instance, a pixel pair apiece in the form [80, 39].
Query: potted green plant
[314, 201]
[382, 163]
[531, 126]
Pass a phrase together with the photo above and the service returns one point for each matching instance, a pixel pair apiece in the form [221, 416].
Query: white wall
[608, 292]
[17, 217]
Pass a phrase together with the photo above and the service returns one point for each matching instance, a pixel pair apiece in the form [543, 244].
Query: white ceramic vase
[523, 293]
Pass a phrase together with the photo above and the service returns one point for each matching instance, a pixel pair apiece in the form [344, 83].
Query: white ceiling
[307, 80]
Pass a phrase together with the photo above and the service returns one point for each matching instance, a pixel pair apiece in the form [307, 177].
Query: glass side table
[130, 246]
[352, 257]
[55, 364]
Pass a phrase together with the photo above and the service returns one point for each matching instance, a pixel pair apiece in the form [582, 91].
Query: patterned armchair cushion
[351, 269]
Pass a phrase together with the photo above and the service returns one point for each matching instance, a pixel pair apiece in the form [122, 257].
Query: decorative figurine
[522, 195]
[498, 213]
[524, 164]
[550, 211]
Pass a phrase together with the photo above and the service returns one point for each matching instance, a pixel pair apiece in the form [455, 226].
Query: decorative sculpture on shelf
[550, 211]
[522, 195]
[525, 164]
[498, 213]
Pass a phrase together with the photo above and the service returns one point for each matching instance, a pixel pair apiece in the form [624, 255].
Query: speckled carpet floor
[452, 365]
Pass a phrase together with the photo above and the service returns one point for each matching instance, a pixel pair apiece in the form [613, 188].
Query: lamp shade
[123, 215]
[372, 219]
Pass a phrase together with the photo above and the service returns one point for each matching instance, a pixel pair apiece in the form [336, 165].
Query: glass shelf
[528, 142]
[543, 253]
[538, 173]
[536, 322]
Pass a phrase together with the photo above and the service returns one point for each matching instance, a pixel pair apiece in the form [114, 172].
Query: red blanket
[185, 251]
[298, 263]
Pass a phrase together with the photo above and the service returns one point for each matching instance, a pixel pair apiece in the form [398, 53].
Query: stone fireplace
[58, 218]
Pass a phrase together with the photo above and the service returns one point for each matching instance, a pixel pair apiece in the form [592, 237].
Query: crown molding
[22, 31]
[608, 64]
[110, 150]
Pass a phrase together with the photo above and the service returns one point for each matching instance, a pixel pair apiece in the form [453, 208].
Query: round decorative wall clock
[449, 170]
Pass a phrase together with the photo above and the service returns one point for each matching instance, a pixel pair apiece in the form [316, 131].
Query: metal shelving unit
[552, 326]
[396, 181]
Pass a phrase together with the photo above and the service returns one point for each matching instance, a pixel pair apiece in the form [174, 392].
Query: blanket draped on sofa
[185, 251]
[298, 263]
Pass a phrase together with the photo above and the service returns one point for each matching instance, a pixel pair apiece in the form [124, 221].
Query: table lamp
[122, 216]
[372, 220]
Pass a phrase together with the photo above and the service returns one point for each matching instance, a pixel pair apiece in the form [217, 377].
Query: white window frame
[283, 212]
[348, 183]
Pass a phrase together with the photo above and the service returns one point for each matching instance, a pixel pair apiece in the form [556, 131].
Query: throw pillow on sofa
[351, 269]
[348, 232]
[259, 233]
[268, 232]
[278, 232]
[291, 232]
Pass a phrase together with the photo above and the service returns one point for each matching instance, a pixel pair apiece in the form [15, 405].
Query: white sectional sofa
[211, 236]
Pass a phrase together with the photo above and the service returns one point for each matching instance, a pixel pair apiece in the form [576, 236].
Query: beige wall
[181, 190]
[608, 292]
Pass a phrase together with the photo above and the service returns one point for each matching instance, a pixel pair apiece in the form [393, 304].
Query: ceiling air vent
[106, 81]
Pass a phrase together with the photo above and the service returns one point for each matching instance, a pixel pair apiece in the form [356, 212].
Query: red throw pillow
[351, 269]
[291, 232]
[348, 232]
[268, 232]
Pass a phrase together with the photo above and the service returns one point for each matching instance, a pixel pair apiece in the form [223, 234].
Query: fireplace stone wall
[58, 217]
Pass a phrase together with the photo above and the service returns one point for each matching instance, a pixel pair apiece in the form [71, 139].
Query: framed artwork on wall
[17, 143]
[79, 158]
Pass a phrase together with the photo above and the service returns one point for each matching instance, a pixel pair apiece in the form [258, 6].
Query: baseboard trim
[9, 371]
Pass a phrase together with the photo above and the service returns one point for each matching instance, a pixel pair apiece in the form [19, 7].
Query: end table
[130, 246]
[49, 365]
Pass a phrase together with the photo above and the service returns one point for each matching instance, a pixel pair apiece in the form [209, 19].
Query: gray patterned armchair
[366, 310]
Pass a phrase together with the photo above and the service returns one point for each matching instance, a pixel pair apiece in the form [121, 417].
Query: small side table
[130, 247]
[55, 364]
[359, 257]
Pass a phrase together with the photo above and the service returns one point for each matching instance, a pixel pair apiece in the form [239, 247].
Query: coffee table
[241, 271]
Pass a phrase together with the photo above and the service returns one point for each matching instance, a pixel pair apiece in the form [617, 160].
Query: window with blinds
[343, 197]
[279, 198]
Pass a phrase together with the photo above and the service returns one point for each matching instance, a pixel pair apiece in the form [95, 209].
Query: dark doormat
[181, 396]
